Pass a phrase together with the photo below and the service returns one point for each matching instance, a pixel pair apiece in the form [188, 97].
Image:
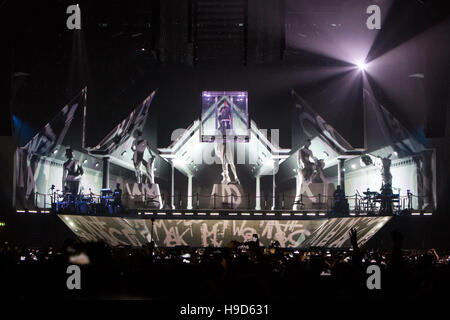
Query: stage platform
[202, 228]
[224, 214]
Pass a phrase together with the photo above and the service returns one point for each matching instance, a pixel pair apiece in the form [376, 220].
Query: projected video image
[224, 116]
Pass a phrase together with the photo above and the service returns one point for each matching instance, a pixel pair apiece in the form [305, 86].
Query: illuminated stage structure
[223, 179]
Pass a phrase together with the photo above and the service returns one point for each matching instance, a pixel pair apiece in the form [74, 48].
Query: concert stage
[222, 178]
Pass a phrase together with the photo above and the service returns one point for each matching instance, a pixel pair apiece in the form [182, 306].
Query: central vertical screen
[224, 116]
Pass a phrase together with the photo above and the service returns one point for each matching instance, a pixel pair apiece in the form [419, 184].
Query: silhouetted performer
[340, 203]
[118, 195]
[386, 199]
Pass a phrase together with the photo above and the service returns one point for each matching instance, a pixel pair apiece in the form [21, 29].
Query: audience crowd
[243, 271]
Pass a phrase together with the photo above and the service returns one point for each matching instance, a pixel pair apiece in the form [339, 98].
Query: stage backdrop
[38, 165]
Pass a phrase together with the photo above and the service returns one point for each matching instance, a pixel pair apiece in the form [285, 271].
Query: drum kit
[67, 201]
[385, 201]
[87, 203]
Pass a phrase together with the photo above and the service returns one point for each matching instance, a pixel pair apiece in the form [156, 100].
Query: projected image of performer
[223, 151]
[139, 146]
[318, 175]
[224, 118]
[386, 175]
[72, 173]
[304, 164]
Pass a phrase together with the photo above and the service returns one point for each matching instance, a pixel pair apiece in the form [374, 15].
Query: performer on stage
[139, 146]
[386, 197]
[117, 199]
[118, 195]
[72, 173]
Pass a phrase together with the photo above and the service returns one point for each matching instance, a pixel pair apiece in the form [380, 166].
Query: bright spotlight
[361, 65]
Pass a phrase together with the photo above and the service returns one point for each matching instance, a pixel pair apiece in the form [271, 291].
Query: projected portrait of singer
[222, 150]
[304, 164]
[224, 118]
[139, 146]
[72, 173]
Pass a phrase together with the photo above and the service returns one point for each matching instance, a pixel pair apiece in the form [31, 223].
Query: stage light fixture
[361, 65]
